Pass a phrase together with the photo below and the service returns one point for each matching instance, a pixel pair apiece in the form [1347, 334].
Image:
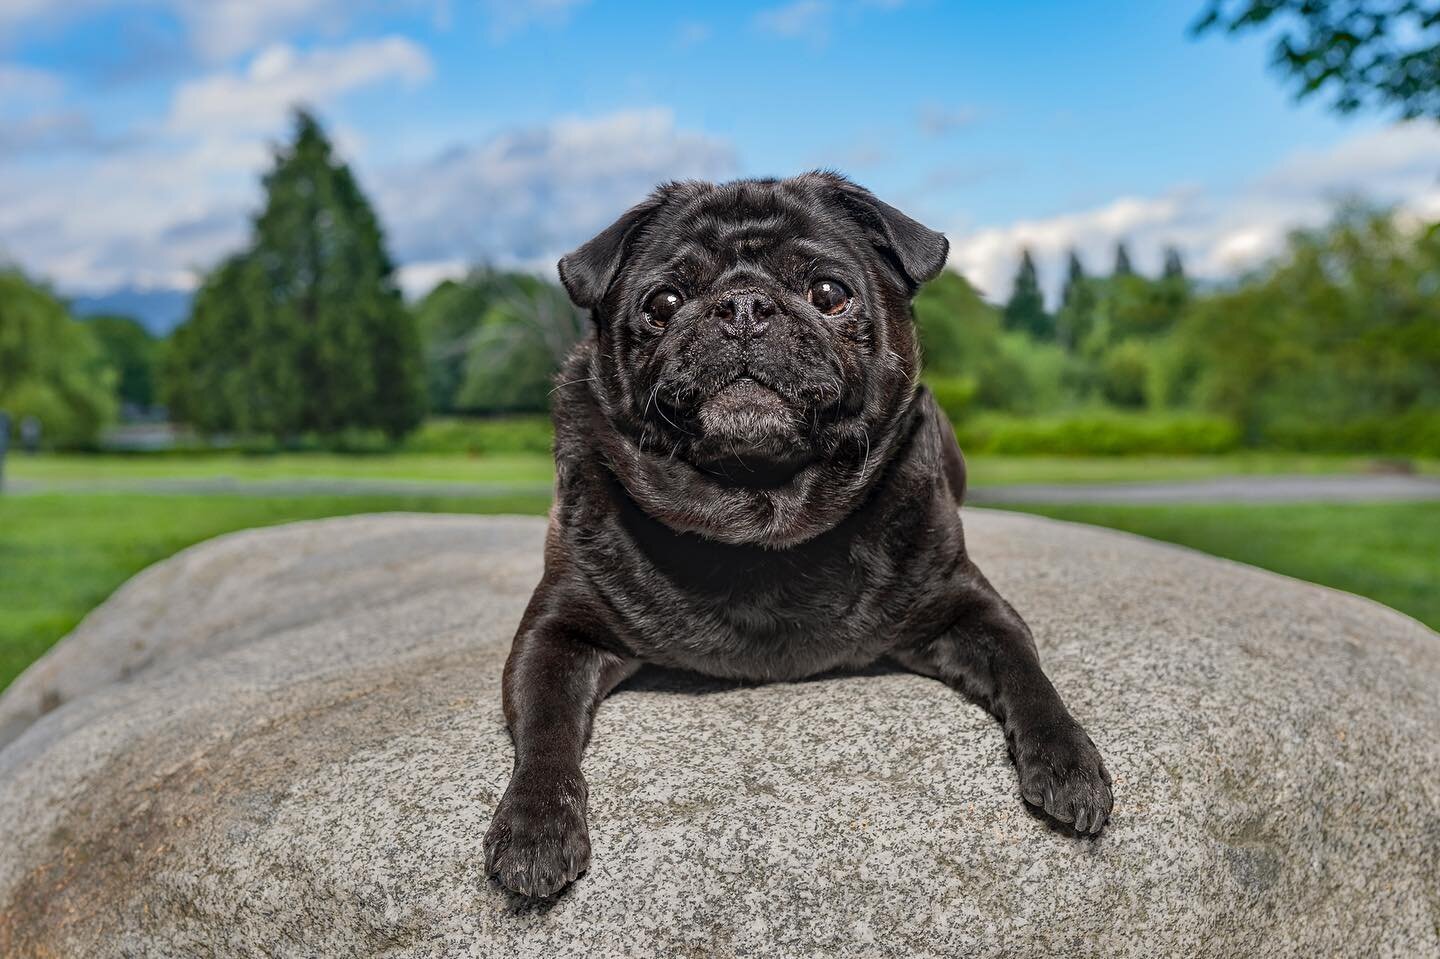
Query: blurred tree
[132, 352]
[1134, 306]
[1384, 53]
[522, 341]
[1344, 327]
[1122, 261]
[448, 318]
[305, 331]
[1025, 311]
[494, 341]
[51, 368]
[1076, 316]
[1174, 265]
[970, 359]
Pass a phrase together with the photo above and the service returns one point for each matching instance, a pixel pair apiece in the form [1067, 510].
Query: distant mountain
[159, 311]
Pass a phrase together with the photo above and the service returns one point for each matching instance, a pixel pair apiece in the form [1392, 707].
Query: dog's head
[756, 348]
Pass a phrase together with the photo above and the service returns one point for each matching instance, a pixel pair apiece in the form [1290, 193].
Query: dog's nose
[745, 315]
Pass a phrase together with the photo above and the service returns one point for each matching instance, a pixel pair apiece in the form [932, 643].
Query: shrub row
[1100, 433]
[501, 434]
[1416, 433]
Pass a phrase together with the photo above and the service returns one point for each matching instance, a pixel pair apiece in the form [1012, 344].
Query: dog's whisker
[560, 386]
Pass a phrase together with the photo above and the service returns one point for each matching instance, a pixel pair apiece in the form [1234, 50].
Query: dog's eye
[829, 297]
[661, 306]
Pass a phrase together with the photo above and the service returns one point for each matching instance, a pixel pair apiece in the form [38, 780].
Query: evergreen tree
[1174, 265]
[305, 331]
[1122, 261]
[1078, 301]
[1026, 310]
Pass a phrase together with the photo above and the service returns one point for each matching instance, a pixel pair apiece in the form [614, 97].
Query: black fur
[758, 491]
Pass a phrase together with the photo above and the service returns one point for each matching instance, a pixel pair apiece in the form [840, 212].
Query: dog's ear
[919, 251]
[588, 272]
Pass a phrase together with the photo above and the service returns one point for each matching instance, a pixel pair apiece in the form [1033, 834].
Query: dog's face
[756, 344]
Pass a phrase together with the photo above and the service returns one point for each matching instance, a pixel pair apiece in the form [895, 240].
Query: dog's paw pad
[537, 845]
[1061, 773]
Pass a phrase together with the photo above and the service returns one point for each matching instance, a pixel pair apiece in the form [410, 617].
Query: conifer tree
[304, 332]
[1174, 265]
[1026, 309]
[1078, 301]
[1122, 261]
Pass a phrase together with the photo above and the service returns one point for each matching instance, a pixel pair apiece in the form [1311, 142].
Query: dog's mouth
[749, 435]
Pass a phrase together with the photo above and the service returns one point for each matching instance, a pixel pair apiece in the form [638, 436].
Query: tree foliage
[1077, 304]
[1026, 309]
[1123, 266]
[1345, 327]
[304, 332]
[1380, 53]
[132, 352]
[494, 341]
[51, 368]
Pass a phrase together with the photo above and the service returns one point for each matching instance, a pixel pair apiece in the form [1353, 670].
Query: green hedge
[1099, 433]
[1416, 433]
[501, 434]
[954, 394]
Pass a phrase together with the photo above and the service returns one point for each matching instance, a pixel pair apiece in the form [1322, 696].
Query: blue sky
[132, 133]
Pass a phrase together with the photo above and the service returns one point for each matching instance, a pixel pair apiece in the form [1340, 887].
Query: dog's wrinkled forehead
[776, 224]
[772, 227]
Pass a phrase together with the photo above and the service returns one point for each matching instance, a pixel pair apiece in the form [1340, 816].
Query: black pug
[751, 483]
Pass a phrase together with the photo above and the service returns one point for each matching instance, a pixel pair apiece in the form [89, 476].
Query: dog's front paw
[538, 843]
[1061, 772]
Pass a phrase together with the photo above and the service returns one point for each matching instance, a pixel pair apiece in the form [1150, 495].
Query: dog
[751, 483]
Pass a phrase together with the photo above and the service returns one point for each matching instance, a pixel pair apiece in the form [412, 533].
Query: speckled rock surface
[308, 745]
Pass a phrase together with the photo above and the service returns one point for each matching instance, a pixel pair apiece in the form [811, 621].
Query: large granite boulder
[289, 742]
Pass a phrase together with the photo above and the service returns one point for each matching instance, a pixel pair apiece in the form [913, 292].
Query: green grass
[499, 469]
[62, 554]
[1000, 470]
[535, 469]
[1386, 551]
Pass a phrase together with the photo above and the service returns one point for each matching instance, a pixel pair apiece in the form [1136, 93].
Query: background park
[309, 371]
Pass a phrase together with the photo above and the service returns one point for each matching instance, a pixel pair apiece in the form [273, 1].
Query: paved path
[1235, 489]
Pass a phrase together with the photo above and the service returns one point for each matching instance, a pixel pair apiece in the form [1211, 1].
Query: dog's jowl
[752, 484]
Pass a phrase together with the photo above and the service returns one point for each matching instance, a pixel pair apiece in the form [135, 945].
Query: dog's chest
[759, 614]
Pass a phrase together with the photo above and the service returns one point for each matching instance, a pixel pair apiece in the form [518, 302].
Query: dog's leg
[989, 654]
[554, 679]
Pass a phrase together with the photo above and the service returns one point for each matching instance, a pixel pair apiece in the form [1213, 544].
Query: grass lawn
[62, 554]
[1386, 551]
[498, 469]
[535, 469]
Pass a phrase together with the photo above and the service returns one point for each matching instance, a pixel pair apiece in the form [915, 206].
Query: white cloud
[220, 29]
[157, 214]
[1219, 232]
[525, 197]
[175, 202]
[280, 77]
[34, 118]
[217, 29]
[22, 86]
[806, 19]
[988, 257]
[939, 121]
[417, 279]
[15, 12]
[508, 17]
